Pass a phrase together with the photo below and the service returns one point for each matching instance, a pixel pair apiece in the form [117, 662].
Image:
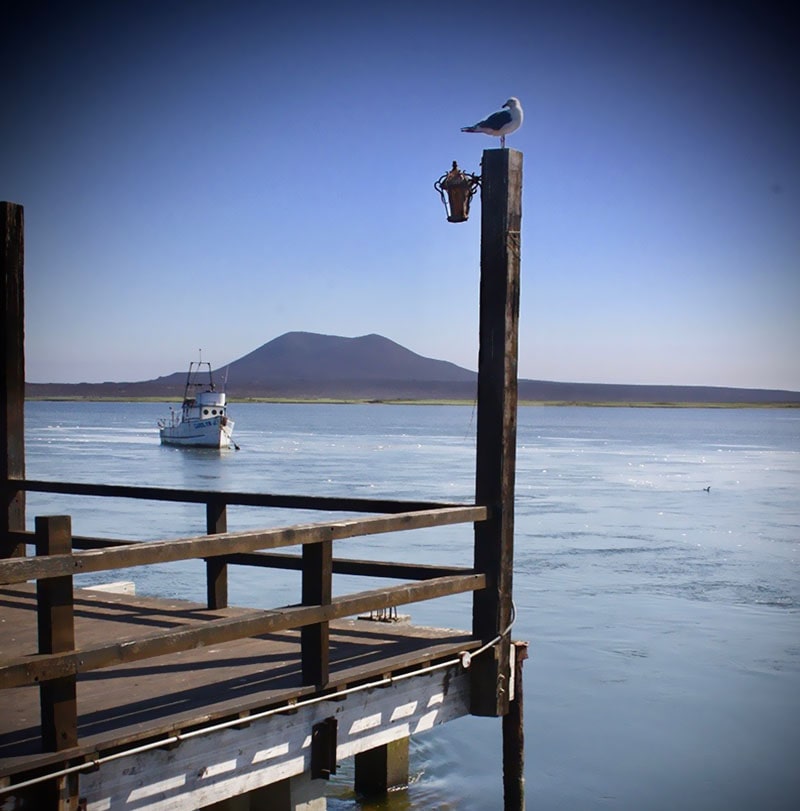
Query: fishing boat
[202, 421]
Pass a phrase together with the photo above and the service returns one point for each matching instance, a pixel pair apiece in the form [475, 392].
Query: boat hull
[214, 432]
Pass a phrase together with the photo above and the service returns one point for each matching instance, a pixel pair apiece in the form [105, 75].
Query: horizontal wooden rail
[279, 560]
[332, 503]
[19, 570]
[361, 568]
[78, 541]
[44, 667]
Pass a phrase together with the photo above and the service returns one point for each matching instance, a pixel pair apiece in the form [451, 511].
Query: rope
[467, 657]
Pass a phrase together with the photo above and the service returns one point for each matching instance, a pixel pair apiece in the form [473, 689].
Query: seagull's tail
[470, 129]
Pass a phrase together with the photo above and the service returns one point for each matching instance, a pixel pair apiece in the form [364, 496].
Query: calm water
[664, 620]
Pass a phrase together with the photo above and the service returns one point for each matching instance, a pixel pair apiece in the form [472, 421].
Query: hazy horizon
[222, 368]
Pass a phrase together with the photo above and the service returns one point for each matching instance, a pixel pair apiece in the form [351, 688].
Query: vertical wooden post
[323, 749]
[501, 215]
[12, 376]
[317, 589]
[216, 568]
[56, 635]
[514, 739]
[383, 768]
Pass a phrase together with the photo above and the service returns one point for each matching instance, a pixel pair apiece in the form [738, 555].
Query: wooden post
[323, 749]
[514, 739]
[501, 214]
[12, 377]
[383, 768]
[216, 568]
[317, 589]
[56, 635]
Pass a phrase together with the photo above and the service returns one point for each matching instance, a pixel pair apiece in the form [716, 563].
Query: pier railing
[58, 662]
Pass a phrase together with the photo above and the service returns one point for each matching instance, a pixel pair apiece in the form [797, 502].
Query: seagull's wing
[496, 120]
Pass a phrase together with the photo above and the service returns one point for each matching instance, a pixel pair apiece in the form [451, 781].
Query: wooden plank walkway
[129, 703]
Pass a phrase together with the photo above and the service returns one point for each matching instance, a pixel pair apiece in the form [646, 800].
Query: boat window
[213, 410]
[205, 412]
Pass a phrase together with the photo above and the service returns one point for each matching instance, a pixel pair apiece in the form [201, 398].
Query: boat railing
[60, 555]
[171, 421]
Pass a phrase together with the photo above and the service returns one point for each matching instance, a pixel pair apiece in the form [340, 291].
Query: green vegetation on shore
[335, 401]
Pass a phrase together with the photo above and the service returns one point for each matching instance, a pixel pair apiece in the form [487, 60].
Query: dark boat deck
[137, 701]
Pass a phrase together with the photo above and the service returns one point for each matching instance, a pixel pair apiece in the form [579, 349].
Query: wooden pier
[115, 701]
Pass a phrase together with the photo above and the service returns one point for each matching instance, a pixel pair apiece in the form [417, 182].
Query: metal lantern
[460, 187]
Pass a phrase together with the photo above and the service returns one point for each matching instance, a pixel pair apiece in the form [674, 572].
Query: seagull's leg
[502, 142]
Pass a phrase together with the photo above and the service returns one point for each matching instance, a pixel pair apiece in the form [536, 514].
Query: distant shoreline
[421, 402]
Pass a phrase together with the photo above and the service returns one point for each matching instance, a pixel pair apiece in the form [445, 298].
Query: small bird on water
[500, 123]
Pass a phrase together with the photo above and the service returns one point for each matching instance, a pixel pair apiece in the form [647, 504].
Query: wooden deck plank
[127, 703]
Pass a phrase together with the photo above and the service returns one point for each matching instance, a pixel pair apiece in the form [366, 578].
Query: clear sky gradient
[211, 175]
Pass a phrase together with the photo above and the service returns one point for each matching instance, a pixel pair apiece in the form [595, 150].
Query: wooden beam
[216, 568]
[360, 568]
[501, 216]
[381, 769]
[198, 772]
[323, 748]
[292, 562]
[317, 589]
[327, 503]
[139, 554]
[35, 669]
[56, 628]
[283, 560]
[12, 375]
[514, 739]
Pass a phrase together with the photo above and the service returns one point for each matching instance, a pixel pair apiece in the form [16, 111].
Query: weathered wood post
[382, 768]
[501, 216]
[317, 589]
[216, 567]
[58, 699]
[56, 627]
[514, 738]
[12, 376]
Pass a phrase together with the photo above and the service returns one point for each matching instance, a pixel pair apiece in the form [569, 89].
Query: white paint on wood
[404, 710]
[212, 768]
[271, 753]
[369, 722]
[118, 587]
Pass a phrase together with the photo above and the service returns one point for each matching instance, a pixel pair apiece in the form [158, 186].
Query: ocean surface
[663, 619]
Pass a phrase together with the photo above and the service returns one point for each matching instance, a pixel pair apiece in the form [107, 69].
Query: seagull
[500, 123]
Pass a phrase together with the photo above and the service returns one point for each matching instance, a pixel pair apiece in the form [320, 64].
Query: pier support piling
[12, 375]
[300, 793]
[381, 769]
[514, 739]
[501, 216]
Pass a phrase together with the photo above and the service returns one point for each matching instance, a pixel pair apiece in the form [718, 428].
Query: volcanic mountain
[311, 358]
[308, 366]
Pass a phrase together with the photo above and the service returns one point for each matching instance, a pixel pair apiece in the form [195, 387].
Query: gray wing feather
[496, 120]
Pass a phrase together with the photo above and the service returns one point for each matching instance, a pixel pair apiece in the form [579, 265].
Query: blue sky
[212, 175]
